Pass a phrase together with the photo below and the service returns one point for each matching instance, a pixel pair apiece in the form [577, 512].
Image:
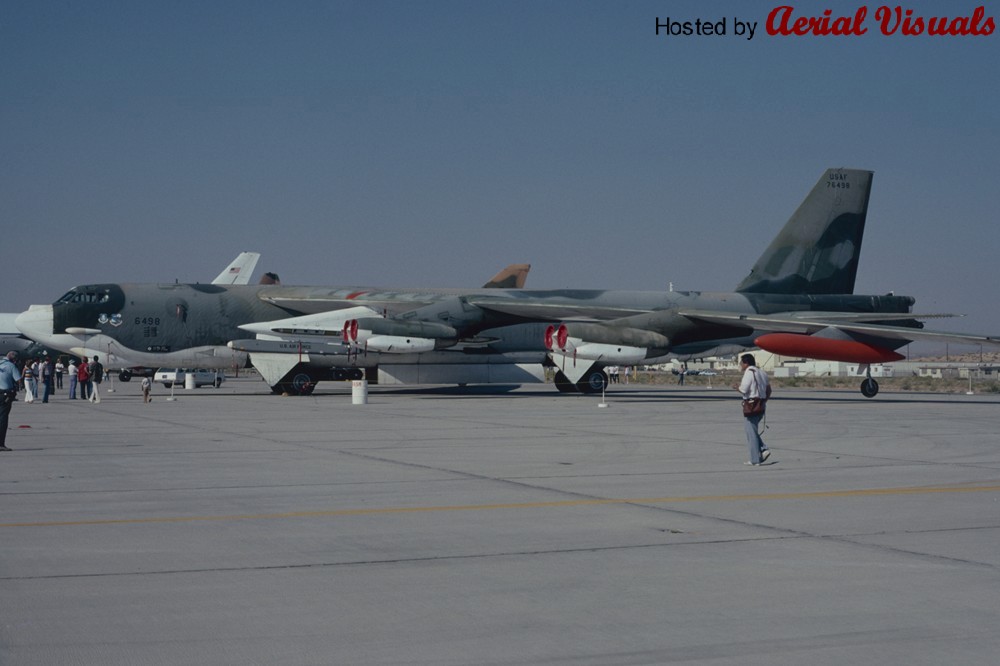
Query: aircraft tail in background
[240, 270]
[511, 277]
[817, 250]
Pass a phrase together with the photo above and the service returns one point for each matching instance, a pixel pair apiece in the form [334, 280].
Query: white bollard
[189, 380]
[359, 392]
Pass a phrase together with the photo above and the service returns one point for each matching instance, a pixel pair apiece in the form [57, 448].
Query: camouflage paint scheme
[802, 285]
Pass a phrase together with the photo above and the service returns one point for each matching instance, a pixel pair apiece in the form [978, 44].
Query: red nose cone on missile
[549, 335]
[354, 330]
[825, 349]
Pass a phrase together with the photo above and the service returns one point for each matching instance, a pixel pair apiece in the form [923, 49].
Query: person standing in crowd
[30, 381]
[60, 369]
[48, 371]
[754, 386]
[83, 375]
[9, 377]
[146, 386]
[71, 371]
[96, 375]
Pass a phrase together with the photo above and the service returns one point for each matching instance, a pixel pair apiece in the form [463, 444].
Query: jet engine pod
[350, 330]
[556, 337]
[562, 336]
[550, 333]
[572, 335]
[604, 342]
[390, 335]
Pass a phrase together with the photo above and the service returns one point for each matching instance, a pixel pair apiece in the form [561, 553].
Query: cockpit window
[84, 297]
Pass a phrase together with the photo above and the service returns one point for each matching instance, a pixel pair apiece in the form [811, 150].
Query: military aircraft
[238, 271]
[11, 339]
[797, 300]
[189, 325]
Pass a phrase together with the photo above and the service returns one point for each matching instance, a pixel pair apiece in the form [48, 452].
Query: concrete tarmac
[431, 527]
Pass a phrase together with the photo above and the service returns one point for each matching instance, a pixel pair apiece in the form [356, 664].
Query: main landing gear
[593, 382]
[296, 383]
[303, 380]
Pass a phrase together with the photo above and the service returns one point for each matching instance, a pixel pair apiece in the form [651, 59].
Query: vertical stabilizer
[240, 270]
[818, 249]
[512, 277]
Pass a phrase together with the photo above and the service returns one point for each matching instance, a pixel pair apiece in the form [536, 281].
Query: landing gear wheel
[563, 383]
[302, 384]
[299, 384]
[125, 375]
[593, 382]
[869, 388]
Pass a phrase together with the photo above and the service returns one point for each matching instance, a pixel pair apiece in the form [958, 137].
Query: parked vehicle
[202, 377]
[126, 374]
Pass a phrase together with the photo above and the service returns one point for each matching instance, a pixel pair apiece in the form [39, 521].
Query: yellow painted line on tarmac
[334, 513]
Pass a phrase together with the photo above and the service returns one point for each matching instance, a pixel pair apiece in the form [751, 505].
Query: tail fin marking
[817, 250]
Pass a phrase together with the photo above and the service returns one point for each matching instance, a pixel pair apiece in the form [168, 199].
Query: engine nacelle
[601, 342]
[394, 336]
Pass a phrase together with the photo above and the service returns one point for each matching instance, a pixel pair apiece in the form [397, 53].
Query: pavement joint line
[870, 492]
[396, 560]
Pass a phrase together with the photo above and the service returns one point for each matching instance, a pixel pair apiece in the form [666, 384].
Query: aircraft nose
[36, 323]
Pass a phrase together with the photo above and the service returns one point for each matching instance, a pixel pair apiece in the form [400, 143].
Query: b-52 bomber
[798, 300]
[189, 325]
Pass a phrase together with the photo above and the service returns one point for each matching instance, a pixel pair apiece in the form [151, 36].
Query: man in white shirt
[754, 386]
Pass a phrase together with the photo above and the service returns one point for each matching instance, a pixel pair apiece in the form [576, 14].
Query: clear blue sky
[431, 143]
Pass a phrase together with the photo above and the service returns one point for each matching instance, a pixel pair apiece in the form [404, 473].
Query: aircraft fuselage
[144, 324]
